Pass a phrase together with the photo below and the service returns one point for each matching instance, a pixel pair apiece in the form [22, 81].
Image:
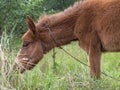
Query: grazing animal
[94, 23]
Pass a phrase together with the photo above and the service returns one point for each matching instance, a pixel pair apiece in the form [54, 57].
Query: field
[65, 74]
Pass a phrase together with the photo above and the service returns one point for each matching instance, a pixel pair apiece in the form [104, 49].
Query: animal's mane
[70, 9]
[56, 18]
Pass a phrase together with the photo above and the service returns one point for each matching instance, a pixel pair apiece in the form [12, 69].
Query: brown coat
[94, 23]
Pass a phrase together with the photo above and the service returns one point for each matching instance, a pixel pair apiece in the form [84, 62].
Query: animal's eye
[25, 44]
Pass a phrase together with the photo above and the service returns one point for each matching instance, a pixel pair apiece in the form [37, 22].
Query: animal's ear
[31, 24]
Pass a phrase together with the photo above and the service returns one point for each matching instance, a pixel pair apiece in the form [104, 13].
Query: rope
[86, 64]
[77, 58]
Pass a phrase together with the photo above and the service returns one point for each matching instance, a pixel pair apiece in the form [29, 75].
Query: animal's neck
[62, 32]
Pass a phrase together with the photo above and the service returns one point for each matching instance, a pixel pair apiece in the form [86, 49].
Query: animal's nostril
[20, 64]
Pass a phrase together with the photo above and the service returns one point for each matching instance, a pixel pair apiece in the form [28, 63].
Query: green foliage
[13, 12]
[57, 4]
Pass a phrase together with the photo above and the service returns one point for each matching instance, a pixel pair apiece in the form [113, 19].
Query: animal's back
[103, 17]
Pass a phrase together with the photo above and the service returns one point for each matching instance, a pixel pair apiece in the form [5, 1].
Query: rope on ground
[87, 65]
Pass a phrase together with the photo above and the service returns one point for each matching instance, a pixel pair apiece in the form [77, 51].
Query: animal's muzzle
[24, 64]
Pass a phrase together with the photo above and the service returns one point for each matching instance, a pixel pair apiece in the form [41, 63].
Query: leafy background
[13, 12]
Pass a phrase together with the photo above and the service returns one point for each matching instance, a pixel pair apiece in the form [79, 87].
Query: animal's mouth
[24, 64]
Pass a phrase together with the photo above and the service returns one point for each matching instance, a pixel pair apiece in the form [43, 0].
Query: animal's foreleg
[94, 60]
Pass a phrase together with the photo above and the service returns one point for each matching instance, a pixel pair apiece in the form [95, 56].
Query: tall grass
[68, 74]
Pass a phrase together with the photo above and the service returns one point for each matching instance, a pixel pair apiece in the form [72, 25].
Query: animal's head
[31, 50]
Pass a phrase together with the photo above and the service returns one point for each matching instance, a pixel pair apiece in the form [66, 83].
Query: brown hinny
[94, 23]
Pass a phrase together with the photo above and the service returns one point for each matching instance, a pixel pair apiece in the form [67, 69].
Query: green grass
[68, 74]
